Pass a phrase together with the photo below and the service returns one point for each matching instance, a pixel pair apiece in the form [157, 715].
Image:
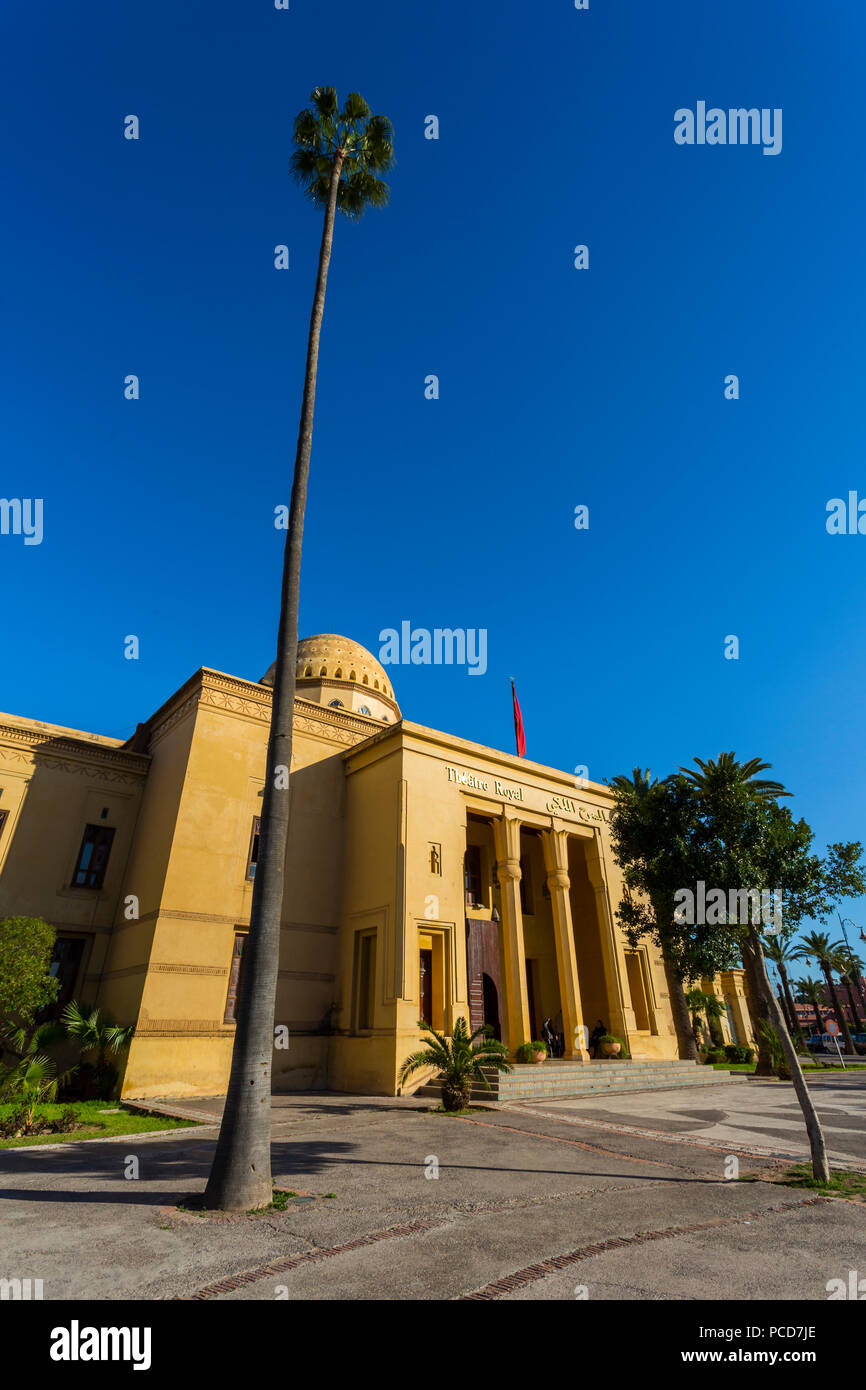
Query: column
[555, 846]
[506, 839]
[622, 1020]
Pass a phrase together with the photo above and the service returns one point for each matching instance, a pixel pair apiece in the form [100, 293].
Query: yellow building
[426, 877]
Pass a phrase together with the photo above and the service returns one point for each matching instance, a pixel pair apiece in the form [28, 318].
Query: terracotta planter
[539, 1057]
[611, 1049]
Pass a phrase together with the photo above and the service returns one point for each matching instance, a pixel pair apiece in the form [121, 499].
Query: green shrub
[716, 1054]
[525, 1050]
[14, 1123]
[66, 1121]
[737, 1053]
[609, 1038]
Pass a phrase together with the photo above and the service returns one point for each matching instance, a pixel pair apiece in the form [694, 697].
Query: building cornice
[417, 736]
[61, 748]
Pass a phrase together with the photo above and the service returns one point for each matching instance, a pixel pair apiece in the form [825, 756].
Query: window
[3, 818]
[336, 704]
[363, 710]
[366, 948]
[235, 973]
[93, 857]
[253, 857]
[472, 875]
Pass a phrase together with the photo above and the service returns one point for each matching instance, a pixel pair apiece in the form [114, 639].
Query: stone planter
[538, 1057]
[612, 1049]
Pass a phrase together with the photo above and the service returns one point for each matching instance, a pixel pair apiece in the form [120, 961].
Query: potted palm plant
[609, 1045]
[458, 1061]
[536, 1051]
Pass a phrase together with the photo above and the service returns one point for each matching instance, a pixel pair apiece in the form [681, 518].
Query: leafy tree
[756, 845]
[339, 159]
[458, 1060]
[656, 839]
[26, 945]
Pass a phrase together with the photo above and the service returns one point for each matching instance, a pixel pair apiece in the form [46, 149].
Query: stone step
[584, 1080]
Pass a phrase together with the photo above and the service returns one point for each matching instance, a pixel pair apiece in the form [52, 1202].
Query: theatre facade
[427, 878]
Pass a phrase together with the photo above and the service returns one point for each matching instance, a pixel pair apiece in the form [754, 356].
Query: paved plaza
[570, 1199]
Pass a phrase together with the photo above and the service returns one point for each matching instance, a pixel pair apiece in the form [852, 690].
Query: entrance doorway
[490, 1002]
[484, 974]
[425, 985]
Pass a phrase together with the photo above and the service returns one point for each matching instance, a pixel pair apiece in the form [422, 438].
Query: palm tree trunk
[759, 1009]
[820, 1166]
[240, 1177]
[841, 1016]
[679, 1008]
[859, 988]
[789, 1000]
[849, 985]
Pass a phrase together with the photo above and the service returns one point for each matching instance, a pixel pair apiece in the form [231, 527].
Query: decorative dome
[334, 669]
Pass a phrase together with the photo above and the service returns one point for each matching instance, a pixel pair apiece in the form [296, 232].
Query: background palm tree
[706, 1009]
[809, 991]
[338, 159]
[826, 953]
[851, 967]
[458, 1060]
[782, 954]
[727, 770]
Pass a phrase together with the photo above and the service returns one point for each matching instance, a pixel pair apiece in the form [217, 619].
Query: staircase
[556, 1078]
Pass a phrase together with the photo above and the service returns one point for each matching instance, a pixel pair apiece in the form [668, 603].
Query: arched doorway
[490, 995]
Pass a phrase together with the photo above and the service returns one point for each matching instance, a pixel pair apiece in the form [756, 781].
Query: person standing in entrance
[597, 1033]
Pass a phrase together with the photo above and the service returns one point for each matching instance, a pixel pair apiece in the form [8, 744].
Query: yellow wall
[369, 799]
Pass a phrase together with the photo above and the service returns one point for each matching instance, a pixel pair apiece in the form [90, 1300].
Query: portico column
[506, 839]
[622, 1020]
[555, 846]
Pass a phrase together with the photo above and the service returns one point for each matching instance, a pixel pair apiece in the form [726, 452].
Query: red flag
[519, 735]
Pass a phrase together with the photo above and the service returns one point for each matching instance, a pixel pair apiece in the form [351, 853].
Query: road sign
[832, 1027]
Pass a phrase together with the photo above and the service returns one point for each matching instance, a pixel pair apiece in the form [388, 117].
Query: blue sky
[558, 387]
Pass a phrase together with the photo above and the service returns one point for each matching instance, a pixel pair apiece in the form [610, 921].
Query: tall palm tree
[826, 953]
[809, 990]
[727, 770]
[851, 969]
[781, 953]
[338, 160]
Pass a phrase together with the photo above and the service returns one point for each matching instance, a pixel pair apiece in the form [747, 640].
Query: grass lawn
[851, 1185]
[808, 1066]
[93, 1125]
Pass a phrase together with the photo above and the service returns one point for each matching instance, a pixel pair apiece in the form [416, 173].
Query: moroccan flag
[519, 735]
